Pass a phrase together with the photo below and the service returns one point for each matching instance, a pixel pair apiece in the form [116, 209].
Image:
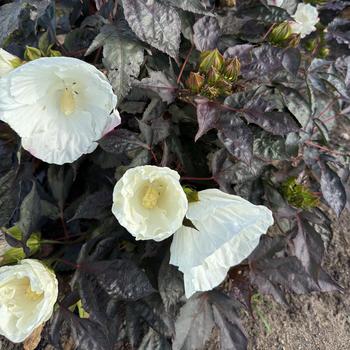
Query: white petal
[229, 229]
[31, 103]
[159, 222]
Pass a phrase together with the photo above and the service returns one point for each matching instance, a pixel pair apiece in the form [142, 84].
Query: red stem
[184, 64]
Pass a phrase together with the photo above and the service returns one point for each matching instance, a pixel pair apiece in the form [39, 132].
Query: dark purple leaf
[207, 115]
[207, 319]
[236, 136]
[122, 279]
[121, 141]
[309, 248]
[277, 123]
[154, 23]
[95, 206]
[206, 33]
[171, 285]
[332, 188]
[161, 84]
[291, 60]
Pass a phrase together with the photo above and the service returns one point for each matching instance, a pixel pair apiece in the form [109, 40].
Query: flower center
[67, 102]
[34, 296]
[150, 198]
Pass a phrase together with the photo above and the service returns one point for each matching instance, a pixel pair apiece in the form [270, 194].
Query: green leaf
[154, 23]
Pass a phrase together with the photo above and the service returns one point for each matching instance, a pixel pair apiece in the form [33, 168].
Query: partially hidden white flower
[276, 3]
[28, 293]
[8, 62]
[59, 106]
[229, 229]
[150, 202]
[305, 17]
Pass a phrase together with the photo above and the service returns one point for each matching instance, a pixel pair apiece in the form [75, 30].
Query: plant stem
[184, 64]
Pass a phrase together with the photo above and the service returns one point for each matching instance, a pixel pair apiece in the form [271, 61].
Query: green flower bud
[210, 91]
[32, 53]
[54, 53]
[211, 59]
[298, 195]
[324, 52]
[232, 69]
[195, 82]
[294, 40]
[280, 33]
[9, 254]
[191, 194]
[213, 76]
[310, 45]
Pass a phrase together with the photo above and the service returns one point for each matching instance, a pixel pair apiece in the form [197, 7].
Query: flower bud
[280, 33]
[191, 194]
[8, 62]
[9, 254]
[324, 52]
[32, 53]
[195, 82]
[211, 92]
[294, 40]
[213, 76]
[232, 69]
[210, 59]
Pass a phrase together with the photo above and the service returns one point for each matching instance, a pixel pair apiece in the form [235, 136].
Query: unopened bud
[210, 91]
[324, 52]
[32, 53]
[232, 69]
[213, 76]
[211, 59]
[294, 40]
[195, 82]
[280, 33]
[191, 194]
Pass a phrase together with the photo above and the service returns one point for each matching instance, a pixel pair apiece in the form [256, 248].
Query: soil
[310, 322]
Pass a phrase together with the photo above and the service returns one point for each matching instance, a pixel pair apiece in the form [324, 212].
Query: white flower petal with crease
[229, 229]
[59, 106]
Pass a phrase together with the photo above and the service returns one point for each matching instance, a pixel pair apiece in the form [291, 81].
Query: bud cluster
[215, 76]
[298, 195]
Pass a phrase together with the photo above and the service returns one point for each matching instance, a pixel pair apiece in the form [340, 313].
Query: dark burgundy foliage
[276, 123]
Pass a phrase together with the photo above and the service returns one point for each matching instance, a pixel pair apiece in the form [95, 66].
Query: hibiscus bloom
[228, 229]
[28, 293]
[306, 17]
[150, 202]
[59, 106]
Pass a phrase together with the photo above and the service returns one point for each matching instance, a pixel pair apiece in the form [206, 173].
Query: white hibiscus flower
[306, 17]
[150, 202]
[59, 106]
[229, 229]
[28, 293]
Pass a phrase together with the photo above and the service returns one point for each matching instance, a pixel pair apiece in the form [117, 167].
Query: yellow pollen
[150, 198]
[32, 295]
[67, 102]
